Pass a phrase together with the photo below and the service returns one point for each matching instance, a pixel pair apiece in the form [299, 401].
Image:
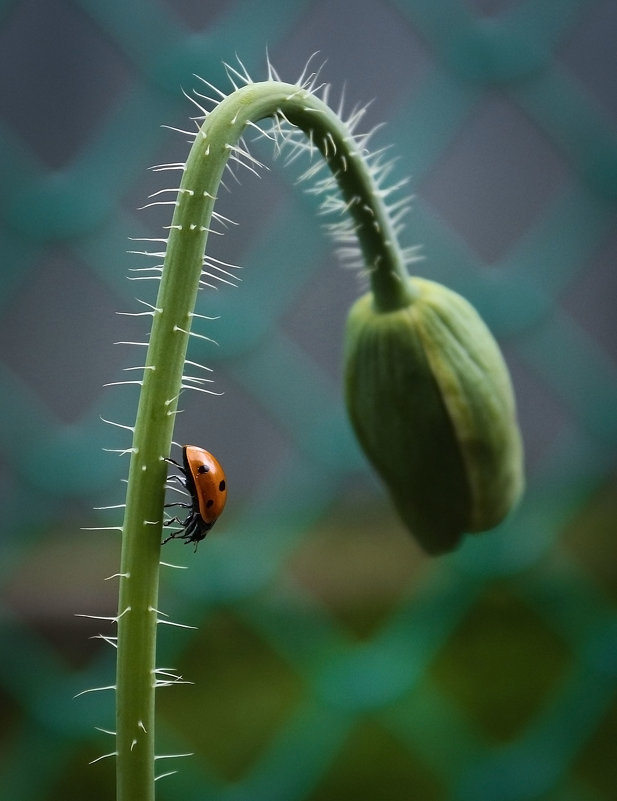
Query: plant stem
[214, 144]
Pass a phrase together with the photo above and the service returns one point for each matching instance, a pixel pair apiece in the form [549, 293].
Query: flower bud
[431, 402]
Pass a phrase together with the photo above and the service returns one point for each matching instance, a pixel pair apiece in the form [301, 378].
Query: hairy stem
[214, 144]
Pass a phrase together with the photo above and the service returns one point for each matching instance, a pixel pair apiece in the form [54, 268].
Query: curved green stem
[162, 381]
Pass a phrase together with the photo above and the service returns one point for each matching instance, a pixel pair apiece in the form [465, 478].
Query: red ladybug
[204, 478]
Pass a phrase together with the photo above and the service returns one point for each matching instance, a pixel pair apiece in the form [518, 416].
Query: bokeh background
[331, 659]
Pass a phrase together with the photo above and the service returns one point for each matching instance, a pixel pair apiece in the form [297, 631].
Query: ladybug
[204, 478]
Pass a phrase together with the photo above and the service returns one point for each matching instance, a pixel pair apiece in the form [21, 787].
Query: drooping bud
[430, 398]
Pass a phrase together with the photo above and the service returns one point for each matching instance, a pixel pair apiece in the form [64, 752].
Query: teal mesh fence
[331, 660]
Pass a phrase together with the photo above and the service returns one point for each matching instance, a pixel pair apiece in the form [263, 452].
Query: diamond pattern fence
[331, 660]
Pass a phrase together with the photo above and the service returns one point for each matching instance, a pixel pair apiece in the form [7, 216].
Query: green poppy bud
[431, 402]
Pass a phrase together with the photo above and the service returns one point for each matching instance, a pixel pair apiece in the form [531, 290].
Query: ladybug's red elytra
[204, 478]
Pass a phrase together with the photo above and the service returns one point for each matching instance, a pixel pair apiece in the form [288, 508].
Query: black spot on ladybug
[203, 468]
[222, 486]
[209, 503]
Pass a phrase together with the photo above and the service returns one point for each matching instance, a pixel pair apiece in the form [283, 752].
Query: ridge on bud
[430, 399]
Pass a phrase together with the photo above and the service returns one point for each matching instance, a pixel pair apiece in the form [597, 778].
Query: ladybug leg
[174, 534]
[180, 479]
[185, 533]
[188, 532]
[191, 530]
[178, 503]
[178, 533]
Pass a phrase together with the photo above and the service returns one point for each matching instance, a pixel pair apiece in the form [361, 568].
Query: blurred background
[331, 659]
